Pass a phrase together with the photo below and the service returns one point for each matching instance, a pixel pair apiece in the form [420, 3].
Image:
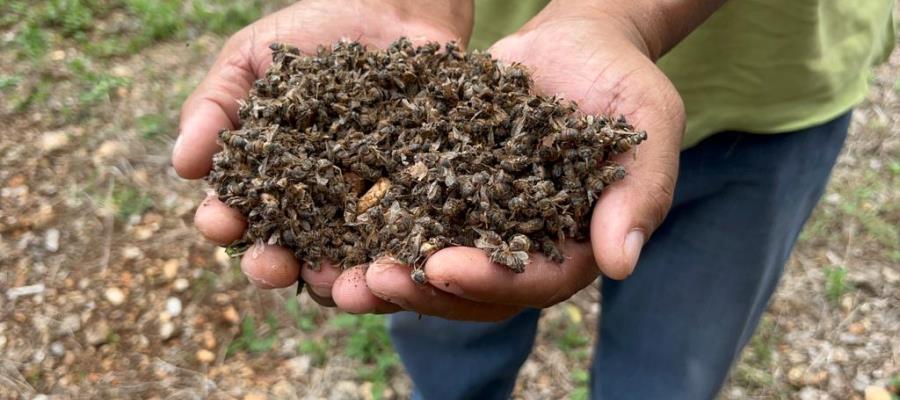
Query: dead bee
[530, 226]
[610, 173]
[628, 141]
[515, 260]
[594, 186]
[230, 139]
[516, 205]
[515, 163]
[453, 207]
[520, 243]
[418, 276]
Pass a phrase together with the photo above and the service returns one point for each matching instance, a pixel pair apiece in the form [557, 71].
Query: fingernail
[633, 244]
[177, 148]
[321, 291]
[380, 265]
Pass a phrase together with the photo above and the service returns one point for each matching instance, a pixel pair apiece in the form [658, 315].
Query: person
[753, 106]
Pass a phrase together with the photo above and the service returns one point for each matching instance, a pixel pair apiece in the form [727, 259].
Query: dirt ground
[106, 291]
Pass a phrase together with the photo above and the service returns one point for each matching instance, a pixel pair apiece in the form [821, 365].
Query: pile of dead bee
[352, 154]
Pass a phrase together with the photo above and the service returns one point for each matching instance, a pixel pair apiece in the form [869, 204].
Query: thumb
[629, 211]
[213, 106]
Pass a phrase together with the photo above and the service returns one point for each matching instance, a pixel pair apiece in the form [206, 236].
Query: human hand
[604, 64]
[245, 57]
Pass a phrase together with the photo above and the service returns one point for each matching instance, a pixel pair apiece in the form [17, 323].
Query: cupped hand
[603, 65]
[244, 58]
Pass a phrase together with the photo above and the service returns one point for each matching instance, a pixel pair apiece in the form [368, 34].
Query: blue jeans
[672, 329]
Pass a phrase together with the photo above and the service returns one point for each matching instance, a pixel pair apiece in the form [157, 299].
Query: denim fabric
[672, 329]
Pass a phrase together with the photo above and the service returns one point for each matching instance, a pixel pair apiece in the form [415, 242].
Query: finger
[351, 294]
[270, 267]
[219, 223]
[392, 283]
[630, 210]
[321, 280]
[213, 106]
[322, 301]
[469, 273]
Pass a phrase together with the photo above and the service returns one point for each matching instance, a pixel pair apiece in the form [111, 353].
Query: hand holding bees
[610, 76]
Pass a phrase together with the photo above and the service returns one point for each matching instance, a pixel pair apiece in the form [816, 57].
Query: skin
[599, 54]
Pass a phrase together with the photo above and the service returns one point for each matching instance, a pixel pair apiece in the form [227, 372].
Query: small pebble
[70, 324]
[166, 330]
[205, 356]
[57, 349]
[255, 396]
[170, 268]
[222, 258]
[132, 253]
[298, 366]
[877, 393]
[284, 390]
[173, 306]
[30, 290]
[209, 339]
[231, 315]
[97, 333]
[180, 285]
[122, 70]
[109, 150]
[114, 295]
[52, 141]
[344, 390]
[51, 240]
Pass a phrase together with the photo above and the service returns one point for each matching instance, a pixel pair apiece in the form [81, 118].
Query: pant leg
[673, 329]
[463, 360]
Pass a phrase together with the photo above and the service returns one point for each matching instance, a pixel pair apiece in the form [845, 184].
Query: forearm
[655, 25]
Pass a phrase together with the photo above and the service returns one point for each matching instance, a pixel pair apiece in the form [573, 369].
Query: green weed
[572, 338]
[32, 42]
[159, 20]
[368, 342]
[835, 283]
[9, 81]
[317, 349]
[95, 87]
[106, 47]
[580, 380]
[12, 11]
[128, 201]
[71, 16]
[758, 361]
[251, 340]
[37, 94]
[303, 320]
[569, 334]
[153, 126]
[225, 17]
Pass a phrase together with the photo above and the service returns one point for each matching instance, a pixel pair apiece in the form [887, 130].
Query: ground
[107, 291]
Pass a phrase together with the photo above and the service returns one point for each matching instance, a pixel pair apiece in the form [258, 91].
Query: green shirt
[762, 66]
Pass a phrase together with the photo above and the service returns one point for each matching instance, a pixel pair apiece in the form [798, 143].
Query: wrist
[452, 19]
[653, 27]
